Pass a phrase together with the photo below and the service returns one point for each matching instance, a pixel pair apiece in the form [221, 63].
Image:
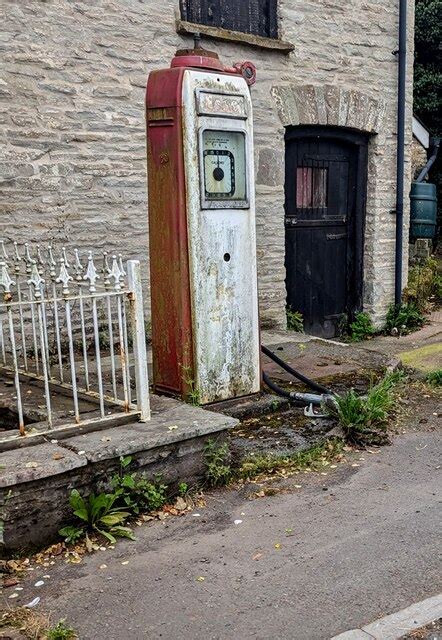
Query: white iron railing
[79, 336]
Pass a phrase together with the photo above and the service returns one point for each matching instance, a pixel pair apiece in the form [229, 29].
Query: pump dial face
[224, 162]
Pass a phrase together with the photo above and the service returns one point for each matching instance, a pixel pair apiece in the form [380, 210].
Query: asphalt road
[351, 546]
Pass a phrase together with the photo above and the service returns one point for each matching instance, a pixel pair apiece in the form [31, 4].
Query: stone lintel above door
[328, 104]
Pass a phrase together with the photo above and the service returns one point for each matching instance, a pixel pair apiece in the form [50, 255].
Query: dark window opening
[258, 17]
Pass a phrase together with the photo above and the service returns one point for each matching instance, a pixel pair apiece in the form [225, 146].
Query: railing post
[139, 338]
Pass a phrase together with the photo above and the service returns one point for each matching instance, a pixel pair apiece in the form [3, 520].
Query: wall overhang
[328, 104]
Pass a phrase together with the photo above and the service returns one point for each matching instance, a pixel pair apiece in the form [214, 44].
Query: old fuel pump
[205, 328]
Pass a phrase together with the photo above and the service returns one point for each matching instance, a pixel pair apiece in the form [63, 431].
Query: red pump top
[204, 59]
[199, 58]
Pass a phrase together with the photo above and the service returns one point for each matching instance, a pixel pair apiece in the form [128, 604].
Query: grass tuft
[403, 318]
[435, 378]
[364, 420]
[361, 328]
[272, 464]
[35, 625]
[61, 631]
[217, 463]
[295, 321]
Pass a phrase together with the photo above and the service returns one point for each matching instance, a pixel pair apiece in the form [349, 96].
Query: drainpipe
[400, 159]
[431, 160]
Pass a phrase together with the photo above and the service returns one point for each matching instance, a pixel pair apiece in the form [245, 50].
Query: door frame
[356, 229]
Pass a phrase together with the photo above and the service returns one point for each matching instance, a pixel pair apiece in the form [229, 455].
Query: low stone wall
[35, 481]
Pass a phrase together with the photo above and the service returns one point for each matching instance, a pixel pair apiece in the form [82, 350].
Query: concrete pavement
[345, 549]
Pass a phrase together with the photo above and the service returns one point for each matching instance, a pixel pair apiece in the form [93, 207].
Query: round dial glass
[224, 162]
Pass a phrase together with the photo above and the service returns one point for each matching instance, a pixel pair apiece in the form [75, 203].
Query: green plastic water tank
[423, 210]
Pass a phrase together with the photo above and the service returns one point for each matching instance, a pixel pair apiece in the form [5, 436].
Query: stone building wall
[72, 82]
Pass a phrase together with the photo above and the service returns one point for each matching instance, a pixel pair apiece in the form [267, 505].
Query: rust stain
[169, 269]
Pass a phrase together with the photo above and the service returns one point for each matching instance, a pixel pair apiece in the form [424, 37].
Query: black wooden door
[325, 198]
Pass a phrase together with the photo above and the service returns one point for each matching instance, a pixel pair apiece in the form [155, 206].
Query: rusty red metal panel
[172, 347]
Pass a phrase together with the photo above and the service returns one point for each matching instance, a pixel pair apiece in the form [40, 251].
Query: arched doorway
[325, 187]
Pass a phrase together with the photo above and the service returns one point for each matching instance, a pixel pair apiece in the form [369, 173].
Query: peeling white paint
[223, 292]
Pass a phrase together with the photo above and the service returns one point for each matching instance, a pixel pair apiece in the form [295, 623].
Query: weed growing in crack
[183, 489]
[435, 378]
[364, 419]
[361, 328]
[97, 514]
[136, 493]
[193, 396]
[295, 321]
[403, 318]
[217, 463]
[33, 624]
[61, 631]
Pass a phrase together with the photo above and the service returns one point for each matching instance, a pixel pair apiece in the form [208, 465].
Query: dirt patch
[279, 433]
[285, 430]
[432, 631]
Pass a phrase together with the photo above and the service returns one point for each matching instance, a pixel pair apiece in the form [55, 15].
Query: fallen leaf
[125, 562]
[89, 545]
[10, 582]
[257, 556]
[200, 578]
[57, 456]
[173, 427]
[277, 545]
[180, 504]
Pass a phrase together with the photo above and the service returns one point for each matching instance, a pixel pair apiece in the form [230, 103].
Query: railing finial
[64, 277]
[105, 270]
[4, 255]
[52, 264]
[5, 279]
[91, 273]
[36, 280]
[115, 273]
[78, 267]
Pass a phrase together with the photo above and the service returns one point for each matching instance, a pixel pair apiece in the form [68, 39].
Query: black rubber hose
[310, 383]
[279, 391]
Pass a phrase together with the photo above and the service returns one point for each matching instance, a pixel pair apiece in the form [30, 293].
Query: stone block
[29, 464]
[270, 167]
